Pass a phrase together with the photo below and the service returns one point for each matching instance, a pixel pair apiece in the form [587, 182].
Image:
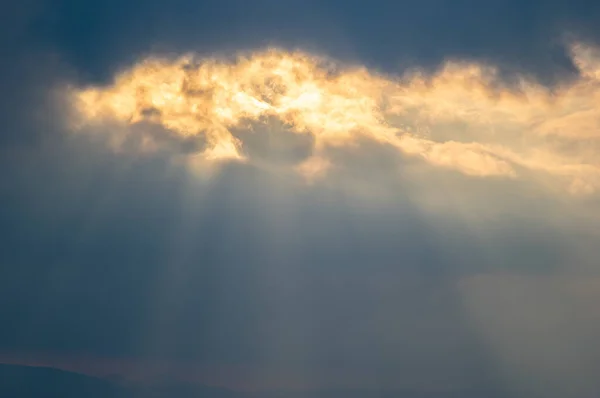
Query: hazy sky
[294, 193]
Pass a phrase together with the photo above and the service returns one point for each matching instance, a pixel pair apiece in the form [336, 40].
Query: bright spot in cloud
[461, 118]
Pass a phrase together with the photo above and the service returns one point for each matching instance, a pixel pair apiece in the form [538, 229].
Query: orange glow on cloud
[462, 118]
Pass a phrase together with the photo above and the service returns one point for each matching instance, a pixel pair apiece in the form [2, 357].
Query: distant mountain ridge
[40, 382]
[18, 381]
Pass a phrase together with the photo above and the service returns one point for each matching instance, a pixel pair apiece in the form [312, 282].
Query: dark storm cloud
[23, 82]
[40, 37]
[520, 35]
[110, 255]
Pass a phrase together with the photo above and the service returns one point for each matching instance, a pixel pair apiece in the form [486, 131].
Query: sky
[304, 194]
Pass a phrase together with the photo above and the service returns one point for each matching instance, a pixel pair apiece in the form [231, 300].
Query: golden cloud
[462, 118]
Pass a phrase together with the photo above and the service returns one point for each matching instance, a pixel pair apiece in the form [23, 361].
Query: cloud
[433, 246]
[541, 329]
[462, 117]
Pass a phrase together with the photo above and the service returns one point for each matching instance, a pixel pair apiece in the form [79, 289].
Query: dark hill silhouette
[39, 382]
